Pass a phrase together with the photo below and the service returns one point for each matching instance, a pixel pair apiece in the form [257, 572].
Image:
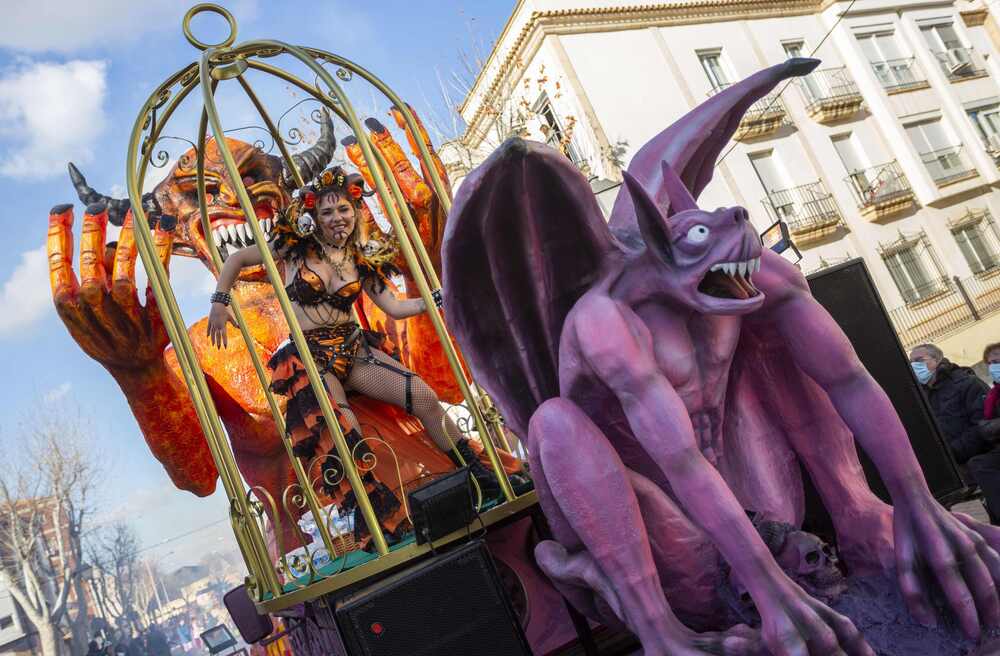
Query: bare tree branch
[46, 490]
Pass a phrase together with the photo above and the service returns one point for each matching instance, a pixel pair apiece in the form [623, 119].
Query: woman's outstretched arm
[221, 313]
[386, 301]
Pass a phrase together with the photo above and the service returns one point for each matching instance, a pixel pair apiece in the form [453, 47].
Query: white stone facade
[916, 83]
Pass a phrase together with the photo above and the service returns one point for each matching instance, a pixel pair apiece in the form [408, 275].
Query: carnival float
[636, 401]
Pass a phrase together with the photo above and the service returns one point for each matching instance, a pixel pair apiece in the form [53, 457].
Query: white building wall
[9, 613]
[630, 80]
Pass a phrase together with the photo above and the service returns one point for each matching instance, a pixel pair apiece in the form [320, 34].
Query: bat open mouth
[731, 280]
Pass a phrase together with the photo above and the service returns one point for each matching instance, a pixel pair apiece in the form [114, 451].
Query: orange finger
[93, 274]
[163, 239]
[357, 157]
[123, 271]
[415, 190]
[59, 246]
[415, 148]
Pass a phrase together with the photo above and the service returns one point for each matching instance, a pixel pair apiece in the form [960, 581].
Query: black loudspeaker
[442, 506]
[253, 627]
[848, 294]
[450, 605]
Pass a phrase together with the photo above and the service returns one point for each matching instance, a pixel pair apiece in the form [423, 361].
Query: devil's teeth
[742, 269]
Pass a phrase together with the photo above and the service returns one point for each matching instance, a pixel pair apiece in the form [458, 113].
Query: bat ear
[678, 196]
[652, 223]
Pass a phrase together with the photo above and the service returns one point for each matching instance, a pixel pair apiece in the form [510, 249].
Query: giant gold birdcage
[276, 583]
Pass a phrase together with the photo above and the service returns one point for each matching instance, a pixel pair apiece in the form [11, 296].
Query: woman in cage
[318, 239]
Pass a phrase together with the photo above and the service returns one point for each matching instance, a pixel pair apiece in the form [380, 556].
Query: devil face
[178, 195]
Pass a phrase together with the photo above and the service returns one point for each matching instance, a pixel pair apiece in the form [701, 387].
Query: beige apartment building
[889, 151]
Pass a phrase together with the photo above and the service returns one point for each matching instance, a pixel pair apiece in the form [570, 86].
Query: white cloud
[50, 113]
[57, 393]
[189, 277]
[70, 25]
[25, 296]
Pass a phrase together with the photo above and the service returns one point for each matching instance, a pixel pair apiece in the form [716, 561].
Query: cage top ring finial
[212, 9]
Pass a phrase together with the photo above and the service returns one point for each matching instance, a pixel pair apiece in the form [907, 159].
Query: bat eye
[698, 234]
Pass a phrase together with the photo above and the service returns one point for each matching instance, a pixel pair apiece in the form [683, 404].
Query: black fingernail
[349, 140]
[59, 209]
[374, 125]
[96, 208]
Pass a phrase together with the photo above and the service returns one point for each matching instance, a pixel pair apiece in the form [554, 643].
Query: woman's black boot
[484, 476]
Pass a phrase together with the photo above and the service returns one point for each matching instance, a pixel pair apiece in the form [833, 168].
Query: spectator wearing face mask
[956, 396]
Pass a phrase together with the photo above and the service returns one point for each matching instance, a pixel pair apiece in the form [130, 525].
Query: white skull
[812, 564]
[306, 224]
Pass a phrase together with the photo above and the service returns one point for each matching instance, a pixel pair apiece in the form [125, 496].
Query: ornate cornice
[600, 19]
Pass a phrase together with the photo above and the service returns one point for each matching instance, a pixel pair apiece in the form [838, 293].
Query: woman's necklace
[338, 266]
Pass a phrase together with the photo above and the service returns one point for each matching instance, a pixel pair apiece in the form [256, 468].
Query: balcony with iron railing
[949, 307]
[831, 95]
[881, 191]
[961, 63]
[948, 165]
[809, 210]
[899, 75]
[762, 119]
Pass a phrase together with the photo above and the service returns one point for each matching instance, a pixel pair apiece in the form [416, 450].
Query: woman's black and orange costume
[335, 350]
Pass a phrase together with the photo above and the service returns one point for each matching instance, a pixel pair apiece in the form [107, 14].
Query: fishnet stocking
[386, 385]
[340, 399]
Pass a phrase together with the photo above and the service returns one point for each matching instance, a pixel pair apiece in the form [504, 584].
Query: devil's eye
[698, 234]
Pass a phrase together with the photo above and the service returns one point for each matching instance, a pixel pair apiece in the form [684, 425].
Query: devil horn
[311, 161]
[652, 223]
[117, 207]
[678, 195]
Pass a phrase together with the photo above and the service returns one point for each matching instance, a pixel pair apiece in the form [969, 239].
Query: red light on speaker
[377, 628]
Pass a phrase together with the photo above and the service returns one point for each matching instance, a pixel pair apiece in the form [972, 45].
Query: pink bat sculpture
[668, 375]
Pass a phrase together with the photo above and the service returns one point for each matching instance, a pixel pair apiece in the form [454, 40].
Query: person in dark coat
[957, 398]
[986, 466]
[156, 642]
[136, 647]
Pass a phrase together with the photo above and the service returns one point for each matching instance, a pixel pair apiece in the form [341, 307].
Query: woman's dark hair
[337, 182]
[334, 181]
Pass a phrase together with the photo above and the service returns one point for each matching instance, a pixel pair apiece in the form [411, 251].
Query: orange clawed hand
[104, 316]
[424, 206]
[102, 310]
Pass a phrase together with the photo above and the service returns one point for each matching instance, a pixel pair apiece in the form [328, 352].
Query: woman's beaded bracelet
[222, 297]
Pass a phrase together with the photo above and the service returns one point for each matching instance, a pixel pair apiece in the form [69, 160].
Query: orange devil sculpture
[105, 317]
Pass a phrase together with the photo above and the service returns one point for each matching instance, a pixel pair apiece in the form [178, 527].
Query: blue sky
[72, 78]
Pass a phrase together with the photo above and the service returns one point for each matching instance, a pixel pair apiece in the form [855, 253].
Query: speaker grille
[848, 294]
[450, 606]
